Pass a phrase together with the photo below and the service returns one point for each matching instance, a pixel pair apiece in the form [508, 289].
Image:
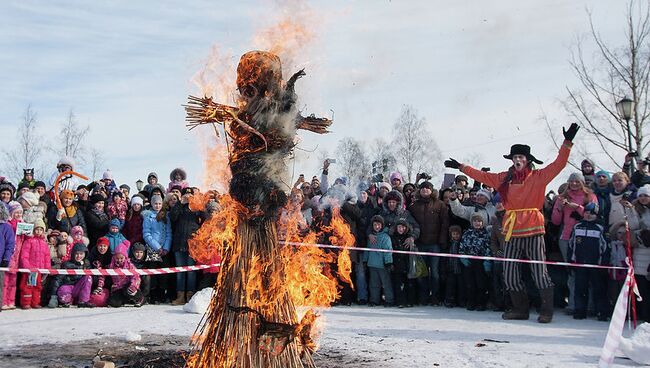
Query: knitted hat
[402, 221]
[393, 195]
[67, 193]
[53, 234]
[341, 180]
[604, 173]
[123, 248]
[137, 200]
[78, 248]
[187, 190]
[124, 186]
[476, 216]
[81, 186]
[137, 246]
[577, 176]
[14, 206]
[396, 175]
[107, 175]
[152, 174]
[40, 223]
[644, 190]
[115, 222]
[117, 193]
[77, 230]
[592, 207]
[485, 193]
[377, 218]
[31, 198]
[103, 241]
[385, 185]
[176, 187]
[156, 198]
[97, 198]
[461, 178]
[40, 184]
[426, 184]
[22, 185]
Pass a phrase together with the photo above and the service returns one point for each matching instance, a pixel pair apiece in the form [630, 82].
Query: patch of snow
[637, 347]
[387, 337]
[131, 336]
[199, 302]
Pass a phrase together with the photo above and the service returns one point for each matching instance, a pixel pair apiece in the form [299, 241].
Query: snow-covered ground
[388, 337]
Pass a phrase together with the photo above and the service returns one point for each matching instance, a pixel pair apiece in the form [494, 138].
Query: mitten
[451, 163]
[132, 290]
[570, 133]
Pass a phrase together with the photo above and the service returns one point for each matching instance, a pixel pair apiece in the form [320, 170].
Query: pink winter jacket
[35, 253]
[15, 258]
[562, 214]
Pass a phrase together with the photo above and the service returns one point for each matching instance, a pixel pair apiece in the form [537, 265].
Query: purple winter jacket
[7, 241]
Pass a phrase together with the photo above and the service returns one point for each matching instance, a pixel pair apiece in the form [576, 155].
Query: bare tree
[96, 162]
[413, 144]
[351, 159]
[382, 157]
[473, 159]
[71, 140]
[27, 154]
[606, 77]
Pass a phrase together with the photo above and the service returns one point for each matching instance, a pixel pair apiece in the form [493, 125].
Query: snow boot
[519, 308]
[54, 302]
[180, 298]
[546, 309]
[189, 296]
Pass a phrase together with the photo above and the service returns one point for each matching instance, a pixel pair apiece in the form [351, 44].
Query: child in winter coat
[618, 252]
[379, 264]
[114, 235]
[35, 254]
[76, 236]
[587, 245]
[73, 289]
[118, 207]
[137, 258]
[476, 242]
[58, 250]
[33, 208]
[132, 229]
[11, 278]
[454, 290]
[403, 287]
[100, 258]
[125, 289]
[157, 233]
[7, 245]
[178, 176]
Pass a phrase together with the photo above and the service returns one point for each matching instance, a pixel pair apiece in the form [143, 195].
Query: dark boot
[520, 306]
[546, 309]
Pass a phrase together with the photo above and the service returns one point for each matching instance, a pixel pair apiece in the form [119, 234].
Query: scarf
[71, 210]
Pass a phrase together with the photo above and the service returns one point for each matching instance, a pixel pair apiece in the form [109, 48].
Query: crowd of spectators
[102, 225]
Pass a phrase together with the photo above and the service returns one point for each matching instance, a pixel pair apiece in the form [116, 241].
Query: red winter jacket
[35, 253]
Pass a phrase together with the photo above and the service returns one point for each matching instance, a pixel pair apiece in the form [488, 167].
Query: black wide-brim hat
[522, 149]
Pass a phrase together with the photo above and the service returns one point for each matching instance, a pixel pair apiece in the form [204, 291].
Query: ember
[252, 319]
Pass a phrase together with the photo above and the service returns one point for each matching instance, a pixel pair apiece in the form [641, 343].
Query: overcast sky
[481, 73]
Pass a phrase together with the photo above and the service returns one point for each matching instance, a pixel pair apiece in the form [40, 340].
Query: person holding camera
[522, 188]
[638, 177]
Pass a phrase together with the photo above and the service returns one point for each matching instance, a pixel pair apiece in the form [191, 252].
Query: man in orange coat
[522, 190]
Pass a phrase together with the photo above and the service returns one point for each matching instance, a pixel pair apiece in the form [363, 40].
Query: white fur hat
[644, 190]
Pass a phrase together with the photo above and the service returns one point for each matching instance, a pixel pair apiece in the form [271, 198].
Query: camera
[424, 176]
[377, 178]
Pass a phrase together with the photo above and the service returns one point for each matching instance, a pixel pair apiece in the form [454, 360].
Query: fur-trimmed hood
[396, 195]
[177, 170]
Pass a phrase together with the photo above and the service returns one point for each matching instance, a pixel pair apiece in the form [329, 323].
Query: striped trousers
[532, 248]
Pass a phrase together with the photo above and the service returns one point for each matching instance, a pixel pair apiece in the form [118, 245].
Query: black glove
[4, 264]
[451, 163]
[571, 132]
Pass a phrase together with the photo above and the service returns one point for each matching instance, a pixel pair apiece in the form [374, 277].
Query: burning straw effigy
[252, 319]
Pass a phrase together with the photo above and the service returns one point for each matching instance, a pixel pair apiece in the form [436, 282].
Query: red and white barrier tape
[113, 272]
[448, 255]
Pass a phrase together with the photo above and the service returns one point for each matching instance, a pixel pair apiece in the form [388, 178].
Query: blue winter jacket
[114, 240]
[379, 259]
[475, 242]
[157, 234]
[587, 244]
[7, 241]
